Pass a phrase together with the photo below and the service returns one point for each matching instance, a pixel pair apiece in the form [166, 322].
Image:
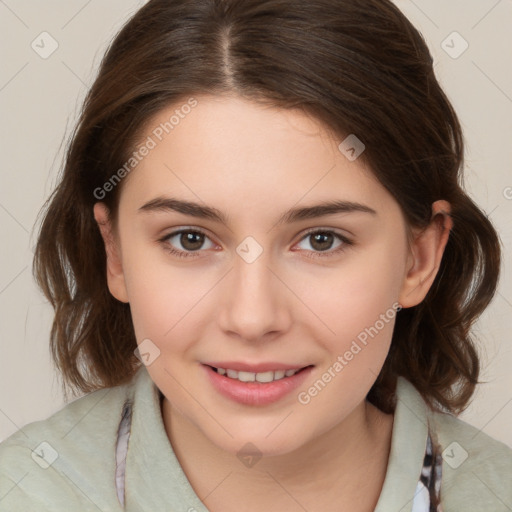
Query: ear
[115, 275]
[425, 255]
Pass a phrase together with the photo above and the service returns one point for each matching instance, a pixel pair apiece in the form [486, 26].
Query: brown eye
[322, 241]
[186, 242]
[191, 240]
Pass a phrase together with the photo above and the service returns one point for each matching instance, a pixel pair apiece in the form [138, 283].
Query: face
[227, 264]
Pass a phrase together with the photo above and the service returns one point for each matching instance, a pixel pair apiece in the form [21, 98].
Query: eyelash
[317, 254]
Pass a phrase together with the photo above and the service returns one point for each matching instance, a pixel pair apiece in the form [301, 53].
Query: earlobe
[426, 254]
[115, 274]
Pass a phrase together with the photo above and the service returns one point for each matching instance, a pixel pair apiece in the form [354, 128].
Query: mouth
[256, 385]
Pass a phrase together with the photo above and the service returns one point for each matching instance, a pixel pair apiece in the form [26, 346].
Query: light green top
[75, 469]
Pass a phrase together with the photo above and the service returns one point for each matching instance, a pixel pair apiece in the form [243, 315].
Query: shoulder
[477, 469]
[62, 462]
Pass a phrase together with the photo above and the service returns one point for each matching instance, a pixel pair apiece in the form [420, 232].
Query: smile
[259, 387]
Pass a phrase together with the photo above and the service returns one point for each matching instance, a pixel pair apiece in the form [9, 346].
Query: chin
[258, 443]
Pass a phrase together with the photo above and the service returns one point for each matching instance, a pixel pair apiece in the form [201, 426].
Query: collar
[154, 479]
[408, 445]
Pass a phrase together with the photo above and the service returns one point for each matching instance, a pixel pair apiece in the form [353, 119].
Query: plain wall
[39, 101]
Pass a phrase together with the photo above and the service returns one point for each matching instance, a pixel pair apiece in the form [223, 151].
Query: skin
[253, 163]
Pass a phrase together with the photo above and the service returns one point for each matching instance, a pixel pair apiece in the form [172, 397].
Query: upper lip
[254, 368]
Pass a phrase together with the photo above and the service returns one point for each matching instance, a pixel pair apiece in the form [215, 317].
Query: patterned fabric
[426, 496]
[123, 434]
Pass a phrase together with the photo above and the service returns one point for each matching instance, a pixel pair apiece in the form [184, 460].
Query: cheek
[171, 304]
[355, 295]
[360, 309]
[160, 296]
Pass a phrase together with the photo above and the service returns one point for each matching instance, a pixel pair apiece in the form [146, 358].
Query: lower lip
[256, 393]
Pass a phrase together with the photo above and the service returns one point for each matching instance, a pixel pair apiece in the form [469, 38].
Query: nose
[255, 302]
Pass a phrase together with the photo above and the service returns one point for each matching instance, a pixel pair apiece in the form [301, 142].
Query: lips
[258, 384]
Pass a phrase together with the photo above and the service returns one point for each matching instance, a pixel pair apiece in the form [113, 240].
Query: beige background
[39, 99]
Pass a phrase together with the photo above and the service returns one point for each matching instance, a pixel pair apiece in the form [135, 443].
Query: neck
[351, 456]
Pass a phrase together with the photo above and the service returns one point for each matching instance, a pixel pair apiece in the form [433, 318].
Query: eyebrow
[293, 215]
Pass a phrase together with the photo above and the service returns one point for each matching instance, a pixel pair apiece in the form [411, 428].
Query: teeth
[259, 377]
[264, 377]
[246, 376]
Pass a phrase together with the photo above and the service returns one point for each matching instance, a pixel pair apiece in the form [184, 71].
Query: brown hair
[358, 66]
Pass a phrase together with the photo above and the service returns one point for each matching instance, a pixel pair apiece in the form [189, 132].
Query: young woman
[264, 272]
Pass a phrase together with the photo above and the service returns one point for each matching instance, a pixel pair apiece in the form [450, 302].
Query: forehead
[227, 150]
